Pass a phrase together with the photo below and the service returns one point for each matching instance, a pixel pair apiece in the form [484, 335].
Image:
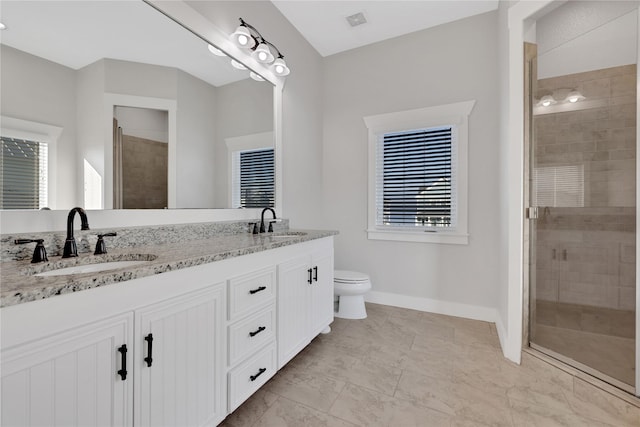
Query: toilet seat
[349, 277]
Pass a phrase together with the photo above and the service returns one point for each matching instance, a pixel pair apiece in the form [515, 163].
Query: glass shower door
[582, 175]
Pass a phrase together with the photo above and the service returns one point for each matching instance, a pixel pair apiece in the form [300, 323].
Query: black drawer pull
[123, 356]
[260, 372]
[149, 358]
[255, 291]
[254, 333]
[310, 279]
[315, 273]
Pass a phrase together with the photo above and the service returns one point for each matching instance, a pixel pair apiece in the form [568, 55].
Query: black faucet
[70, 248]
[262, 228]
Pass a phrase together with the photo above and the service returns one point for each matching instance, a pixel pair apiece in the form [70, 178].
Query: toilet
[349, 290]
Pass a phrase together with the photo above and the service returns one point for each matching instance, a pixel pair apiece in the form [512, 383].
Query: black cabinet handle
[255, 291]
[256, 332]
[310, 280]
[260, 372]
[315, 273]
[149, 358]
[123, 356]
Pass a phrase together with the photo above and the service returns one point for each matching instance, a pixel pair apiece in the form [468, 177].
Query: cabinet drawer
[247, 335]
[251, 375]
[250, 292]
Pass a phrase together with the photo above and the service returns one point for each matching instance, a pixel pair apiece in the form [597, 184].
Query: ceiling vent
[356, 19]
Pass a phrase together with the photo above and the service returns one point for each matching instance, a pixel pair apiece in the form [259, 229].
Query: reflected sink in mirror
[90, 268]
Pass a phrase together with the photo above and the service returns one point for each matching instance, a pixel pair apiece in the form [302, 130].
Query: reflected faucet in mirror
[70, 248]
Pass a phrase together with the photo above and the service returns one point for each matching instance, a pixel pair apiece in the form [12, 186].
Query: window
[23, 174]
[253, 183]
[418, 176]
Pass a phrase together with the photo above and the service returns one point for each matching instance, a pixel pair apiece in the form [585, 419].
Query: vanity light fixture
[246, 36]
[215, 50]
[256, 77]
[237, 65]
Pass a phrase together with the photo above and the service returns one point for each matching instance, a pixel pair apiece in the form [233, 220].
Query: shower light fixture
[247, 36]
[574, 96]
[547, 100]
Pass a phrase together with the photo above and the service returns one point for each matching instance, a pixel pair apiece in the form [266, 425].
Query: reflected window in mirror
[253, 178]
[23, 174]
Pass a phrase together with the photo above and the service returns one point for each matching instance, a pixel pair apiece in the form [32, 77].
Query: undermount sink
[289, 234]
[90, 268]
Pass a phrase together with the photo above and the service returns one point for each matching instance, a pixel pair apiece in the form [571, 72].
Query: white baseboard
[447, 308]
[502, 334]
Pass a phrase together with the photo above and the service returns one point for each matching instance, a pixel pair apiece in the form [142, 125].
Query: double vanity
[181, 337]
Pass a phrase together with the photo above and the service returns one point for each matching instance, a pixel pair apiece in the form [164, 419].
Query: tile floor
[403, 368]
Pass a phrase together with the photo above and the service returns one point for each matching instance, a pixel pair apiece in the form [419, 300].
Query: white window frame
[11, 127]
[256, 141]
[457, 115]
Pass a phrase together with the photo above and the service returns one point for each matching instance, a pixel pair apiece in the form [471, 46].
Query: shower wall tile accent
[601, 136]
[144, 173]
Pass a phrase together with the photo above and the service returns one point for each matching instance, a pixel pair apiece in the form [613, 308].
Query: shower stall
[581, 175]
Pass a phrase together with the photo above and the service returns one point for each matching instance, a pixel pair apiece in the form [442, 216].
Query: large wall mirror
[114, 105]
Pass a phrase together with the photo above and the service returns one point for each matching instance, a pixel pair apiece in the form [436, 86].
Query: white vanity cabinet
[199, 341]
[79, 377]
[178, 355]
[305, 301]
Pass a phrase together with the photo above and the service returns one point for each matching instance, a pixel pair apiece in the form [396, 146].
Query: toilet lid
[345, 276]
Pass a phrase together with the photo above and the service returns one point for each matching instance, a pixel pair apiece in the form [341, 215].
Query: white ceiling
[323, 23]
[78, 33]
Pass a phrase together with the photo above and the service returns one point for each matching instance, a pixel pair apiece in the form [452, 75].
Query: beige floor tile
[251, 410]
[316, 391]
[374, 376]
[287, 413]
[593, 403]
[368, 408]
[530, 415]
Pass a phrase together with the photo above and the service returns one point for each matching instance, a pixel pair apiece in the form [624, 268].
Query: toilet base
[351, 307]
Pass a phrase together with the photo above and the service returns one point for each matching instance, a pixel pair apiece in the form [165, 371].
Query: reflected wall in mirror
[65, 71]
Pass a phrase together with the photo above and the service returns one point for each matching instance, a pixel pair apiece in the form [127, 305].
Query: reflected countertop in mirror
[66, 67]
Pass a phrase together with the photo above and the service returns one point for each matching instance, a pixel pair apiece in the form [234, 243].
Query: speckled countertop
[19, 285]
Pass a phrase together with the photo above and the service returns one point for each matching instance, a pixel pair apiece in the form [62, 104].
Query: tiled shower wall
[586, 255]
[144, 173]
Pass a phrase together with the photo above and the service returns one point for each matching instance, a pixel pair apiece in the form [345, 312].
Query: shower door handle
[532, 212]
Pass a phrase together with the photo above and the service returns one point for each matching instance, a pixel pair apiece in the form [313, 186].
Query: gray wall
[413, 71]
[42, 91]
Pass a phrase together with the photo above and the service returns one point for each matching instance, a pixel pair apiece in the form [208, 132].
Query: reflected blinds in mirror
[23, 174]
[253, 183]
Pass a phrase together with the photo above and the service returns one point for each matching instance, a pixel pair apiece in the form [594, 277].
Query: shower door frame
[521, 25]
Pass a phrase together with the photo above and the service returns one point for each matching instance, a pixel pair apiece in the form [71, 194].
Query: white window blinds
[23, 174]
[253, 178]
[415, 178]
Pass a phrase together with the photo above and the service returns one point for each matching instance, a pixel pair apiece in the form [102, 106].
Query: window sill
[419, 236]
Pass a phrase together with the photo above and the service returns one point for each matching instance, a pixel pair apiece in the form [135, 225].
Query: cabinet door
[71, 379]
[180, 377]
[321, 303]
[293, 308]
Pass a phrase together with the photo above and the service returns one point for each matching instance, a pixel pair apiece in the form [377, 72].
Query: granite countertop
[19, 285]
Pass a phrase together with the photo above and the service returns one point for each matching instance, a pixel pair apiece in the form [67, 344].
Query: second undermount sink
[91, 268]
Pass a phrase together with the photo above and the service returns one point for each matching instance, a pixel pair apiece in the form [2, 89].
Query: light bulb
[237, 65]
[574, 96]
[262, 56]
[280, 67]
[243, 40]
[216, 51]
[256, 77]
[2, 26]
[547, 100]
